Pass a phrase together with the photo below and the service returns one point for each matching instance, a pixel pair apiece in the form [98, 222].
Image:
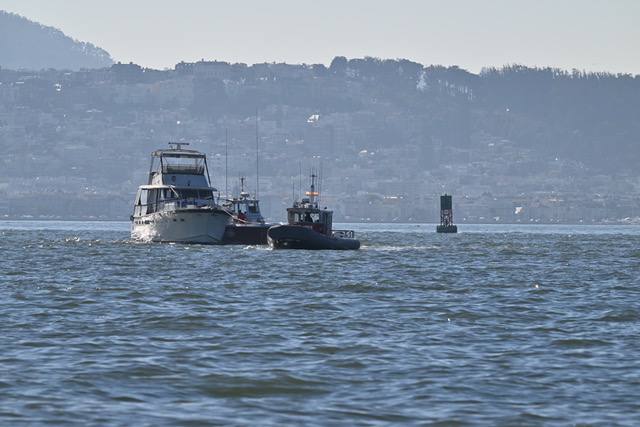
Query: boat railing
[183, 169]
[171, 205]
[348, 234]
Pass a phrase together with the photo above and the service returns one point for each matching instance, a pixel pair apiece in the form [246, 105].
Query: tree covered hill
[583, 116]
[27, 44]
[592, 117]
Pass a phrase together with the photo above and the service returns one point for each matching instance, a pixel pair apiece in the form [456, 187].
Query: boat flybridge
[177, 204]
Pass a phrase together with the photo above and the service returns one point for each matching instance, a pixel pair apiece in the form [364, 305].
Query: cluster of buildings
[76, 144]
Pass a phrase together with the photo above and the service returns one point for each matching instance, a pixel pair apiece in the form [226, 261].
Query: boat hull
[250, 234]
[300, 237]
[447, 229]
[203, 226]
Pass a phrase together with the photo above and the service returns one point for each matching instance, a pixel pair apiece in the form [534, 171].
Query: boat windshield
[189, 166]
[193, 193]
[253, 208]
[303, 216]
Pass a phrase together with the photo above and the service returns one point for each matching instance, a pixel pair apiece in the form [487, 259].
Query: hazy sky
[591, 35]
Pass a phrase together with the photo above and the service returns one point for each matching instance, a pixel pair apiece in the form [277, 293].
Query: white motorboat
[177, 204]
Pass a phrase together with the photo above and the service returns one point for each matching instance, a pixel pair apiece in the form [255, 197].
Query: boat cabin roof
[179, 152]
[305, 210]
[174, 187]
[322, 214]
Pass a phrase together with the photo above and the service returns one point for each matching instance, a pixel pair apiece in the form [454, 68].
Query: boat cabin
[153, 198]
[319, 220]
[178, 179]
[247, 206]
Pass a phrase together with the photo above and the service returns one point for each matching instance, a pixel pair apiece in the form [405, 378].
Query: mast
[226, 165]
[300, 176]
[313, 193]
[320, 181]
[257, 160]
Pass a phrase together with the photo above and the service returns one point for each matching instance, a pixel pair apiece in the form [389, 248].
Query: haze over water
[496, 325]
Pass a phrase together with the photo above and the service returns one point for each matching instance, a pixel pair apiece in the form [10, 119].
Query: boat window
[195, 194]
[179, 165]
[188, 194]
[152, 200]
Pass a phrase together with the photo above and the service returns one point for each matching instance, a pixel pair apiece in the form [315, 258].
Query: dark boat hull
[447, 229]
[300, 237]
[236, 234]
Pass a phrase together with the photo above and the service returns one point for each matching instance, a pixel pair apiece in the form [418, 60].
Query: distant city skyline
[589, 35]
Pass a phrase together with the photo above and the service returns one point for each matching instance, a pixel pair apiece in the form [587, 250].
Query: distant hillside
[27, 44]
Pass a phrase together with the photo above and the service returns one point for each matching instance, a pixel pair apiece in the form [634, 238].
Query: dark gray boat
[247, 225]
[310, 227]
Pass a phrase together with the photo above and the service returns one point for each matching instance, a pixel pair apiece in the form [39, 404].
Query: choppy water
[496, 325]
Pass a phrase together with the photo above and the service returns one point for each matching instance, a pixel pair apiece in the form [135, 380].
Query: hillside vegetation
[589, 117]
[582, 116]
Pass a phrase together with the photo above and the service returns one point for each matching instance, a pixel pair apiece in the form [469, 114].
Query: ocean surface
[498, 325]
